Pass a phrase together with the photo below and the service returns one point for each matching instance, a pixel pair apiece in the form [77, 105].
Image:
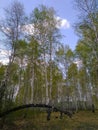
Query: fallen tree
[49, 109]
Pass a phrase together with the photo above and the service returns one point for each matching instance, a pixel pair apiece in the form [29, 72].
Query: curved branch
[35, 105]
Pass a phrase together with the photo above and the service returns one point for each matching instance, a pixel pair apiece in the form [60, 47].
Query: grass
[31, 119]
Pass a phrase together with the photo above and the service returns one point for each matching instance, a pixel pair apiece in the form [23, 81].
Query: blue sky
[64, 9]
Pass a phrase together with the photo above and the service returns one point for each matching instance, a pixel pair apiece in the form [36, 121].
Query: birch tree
[10, 27]
[46, 33]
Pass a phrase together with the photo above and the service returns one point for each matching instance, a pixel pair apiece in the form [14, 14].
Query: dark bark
[61, 115]
[50, 108]
[93, 108]
[48, 113]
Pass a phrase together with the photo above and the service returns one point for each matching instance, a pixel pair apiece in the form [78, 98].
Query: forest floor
[30, 119]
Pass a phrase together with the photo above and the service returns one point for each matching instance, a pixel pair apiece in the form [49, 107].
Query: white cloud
[4, 61]
[4, 56]
[28, 29]
[79, 63]
[63, 24]
[4, 52]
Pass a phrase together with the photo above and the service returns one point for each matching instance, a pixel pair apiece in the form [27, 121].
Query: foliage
[41, 69]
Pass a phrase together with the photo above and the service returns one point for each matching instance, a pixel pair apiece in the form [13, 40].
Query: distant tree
[87, 48]
[11, 27]
[87, 27]
[47, 34]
